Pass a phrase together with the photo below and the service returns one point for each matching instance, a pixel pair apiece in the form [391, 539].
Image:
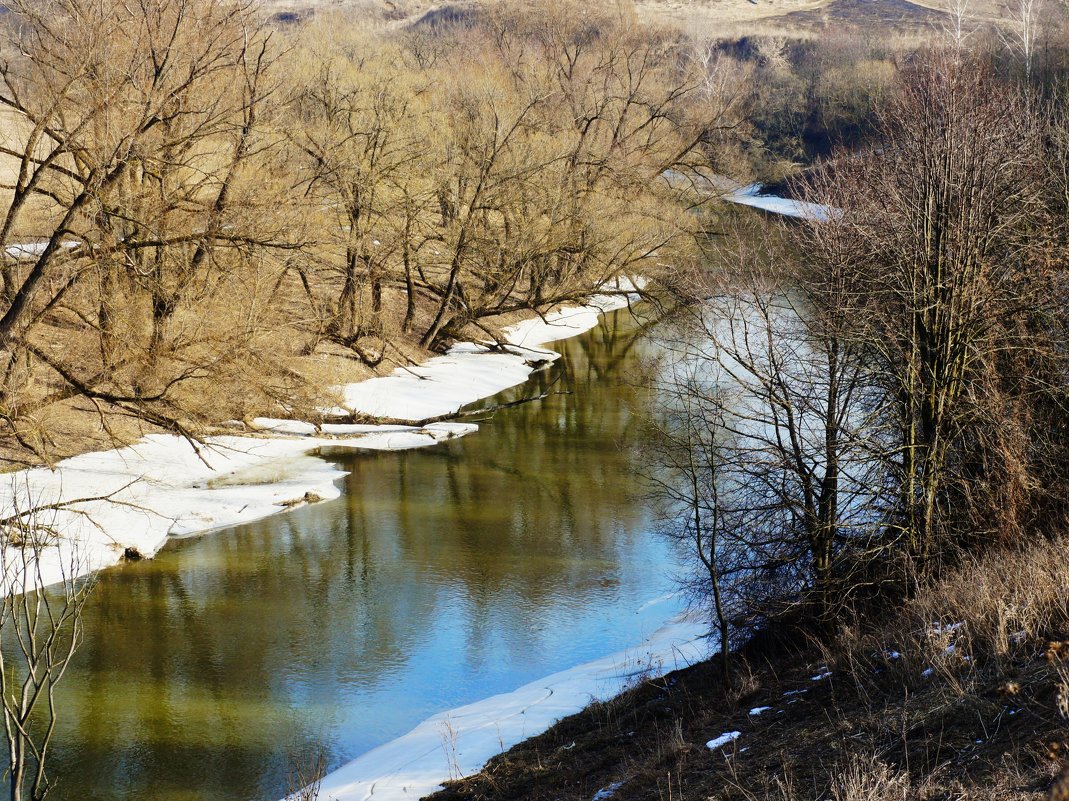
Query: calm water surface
[441, 576]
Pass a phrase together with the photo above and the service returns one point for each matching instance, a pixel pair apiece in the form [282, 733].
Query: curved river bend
[440, 577]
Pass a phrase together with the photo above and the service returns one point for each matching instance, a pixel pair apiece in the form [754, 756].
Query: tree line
[196, 200]
[855, 402]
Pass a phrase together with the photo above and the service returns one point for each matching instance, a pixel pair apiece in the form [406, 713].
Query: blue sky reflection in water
[442, 576]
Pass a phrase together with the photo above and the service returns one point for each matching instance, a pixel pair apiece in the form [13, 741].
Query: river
[440, 577]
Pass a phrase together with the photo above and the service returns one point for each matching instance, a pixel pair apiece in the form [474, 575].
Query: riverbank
[126, 502]
[460, 741]
[961, 694]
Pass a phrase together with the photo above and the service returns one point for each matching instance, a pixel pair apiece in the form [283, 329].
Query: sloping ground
[815, 737]
[690, 13]
[899, 15]
[430, 12]
[707, 17]
[973, 708]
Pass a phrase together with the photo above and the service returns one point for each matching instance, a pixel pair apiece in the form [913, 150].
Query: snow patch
[759, 710]
[947, 628]
[297, 428]
[31, 250]
[471, 371]
[719, 742]
[459, 742]
[607, 792]
[751, 196]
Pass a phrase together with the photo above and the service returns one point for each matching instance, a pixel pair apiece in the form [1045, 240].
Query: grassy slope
[900, 715]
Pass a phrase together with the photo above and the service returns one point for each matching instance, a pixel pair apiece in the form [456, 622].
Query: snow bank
[470, 371]
[459, 742]
[134, 498]
[750, 196]
[138, 496]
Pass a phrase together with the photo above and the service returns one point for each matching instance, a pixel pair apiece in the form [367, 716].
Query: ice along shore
[108, 504]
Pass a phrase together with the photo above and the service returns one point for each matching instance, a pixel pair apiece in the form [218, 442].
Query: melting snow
[722, 740]
[471, 371]
[751, 196]
[607, 792]
[416, 764]
[138, 496]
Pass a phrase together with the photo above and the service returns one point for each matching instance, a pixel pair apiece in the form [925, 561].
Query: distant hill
[707, 17]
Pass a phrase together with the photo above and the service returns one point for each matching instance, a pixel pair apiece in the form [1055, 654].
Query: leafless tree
[40, 630]
[940, 234]
[131, 135]
[787, 423]
[957, 27]
[360, 121]
[519, 169]
[684, 466]
[1021, 32]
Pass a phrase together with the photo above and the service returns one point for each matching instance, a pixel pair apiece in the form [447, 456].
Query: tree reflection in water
[442, 576]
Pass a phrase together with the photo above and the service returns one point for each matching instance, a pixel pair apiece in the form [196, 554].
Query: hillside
[727, 17]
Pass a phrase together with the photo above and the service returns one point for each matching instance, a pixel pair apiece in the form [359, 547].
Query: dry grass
[901, 716]
[703, 13]
[984, 618]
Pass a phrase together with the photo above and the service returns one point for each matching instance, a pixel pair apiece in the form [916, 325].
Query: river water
[440, 577]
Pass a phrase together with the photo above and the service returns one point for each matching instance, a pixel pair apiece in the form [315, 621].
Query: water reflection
[442, 576]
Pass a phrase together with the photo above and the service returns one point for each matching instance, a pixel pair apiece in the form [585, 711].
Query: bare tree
[940, 236]
[787, 424]
[1021, 32]
[684, 466]
[361, 124]
[133, 137]
[40, 630]
[957, 27]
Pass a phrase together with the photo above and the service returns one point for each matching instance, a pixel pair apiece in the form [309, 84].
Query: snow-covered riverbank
[786, 207]
[110, 503]
[459, 742]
